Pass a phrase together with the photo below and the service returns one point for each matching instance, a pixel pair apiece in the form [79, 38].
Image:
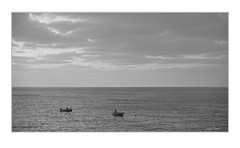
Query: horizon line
[110, 86]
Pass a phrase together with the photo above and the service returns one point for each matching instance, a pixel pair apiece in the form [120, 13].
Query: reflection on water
[146, 109]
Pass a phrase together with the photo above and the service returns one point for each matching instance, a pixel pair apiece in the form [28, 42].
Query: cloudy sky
[119, 49]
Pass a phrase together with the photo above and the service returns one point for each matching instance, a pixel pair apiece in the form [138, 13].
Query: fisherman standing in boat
[115, 111]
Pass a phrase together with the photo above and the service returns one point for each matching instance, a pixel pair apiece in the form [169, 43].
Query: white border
[43, 140]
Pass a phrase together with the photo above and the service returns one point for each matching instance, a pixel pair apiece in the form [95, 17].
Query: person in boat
[67, 107]
[115, 111]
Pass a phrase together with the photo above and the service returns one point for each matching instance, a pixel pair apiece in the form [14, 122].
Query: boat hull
[118, 114]
[65, 110]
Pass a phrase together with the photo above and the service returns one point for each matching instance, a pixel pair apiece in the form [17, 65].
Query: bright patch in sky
[48, 18]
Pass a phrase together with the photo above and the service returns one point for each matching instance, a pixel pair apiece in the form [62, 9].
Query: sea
[146, 109]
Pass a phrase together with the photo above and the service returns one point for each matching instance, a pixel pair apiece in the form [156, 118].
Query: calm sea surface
[146, 109]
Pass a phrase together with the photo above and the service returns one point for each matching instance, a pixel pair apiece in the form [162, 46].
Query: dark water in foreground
[146, 109]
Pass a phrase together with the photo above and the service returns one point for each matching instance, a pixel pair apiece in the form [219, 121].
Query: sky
[119, 49]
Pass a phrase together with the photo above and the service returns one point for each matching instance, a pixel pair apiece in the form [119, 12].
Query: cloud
[41, 52]
[19, 44]
[56, 31]
[43, 66]
[148, 66]
[46, 18]
[91, 64]
[19, 50]
[91, 40]
[90, 55]
[47, 45]
[221, 42]
[203, 56]
[154, 66]
[160, 57]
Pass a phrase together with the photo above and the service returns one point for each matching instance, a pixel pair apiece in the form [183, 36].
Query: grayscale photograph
[119, 72]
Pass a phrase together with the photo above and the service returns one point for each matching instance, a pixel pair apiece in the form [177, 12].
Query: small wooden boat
[65, 110]
[118, 114]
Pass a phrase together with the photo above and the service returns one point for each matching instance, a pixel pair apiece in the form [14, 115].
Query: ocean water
[146, 109]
